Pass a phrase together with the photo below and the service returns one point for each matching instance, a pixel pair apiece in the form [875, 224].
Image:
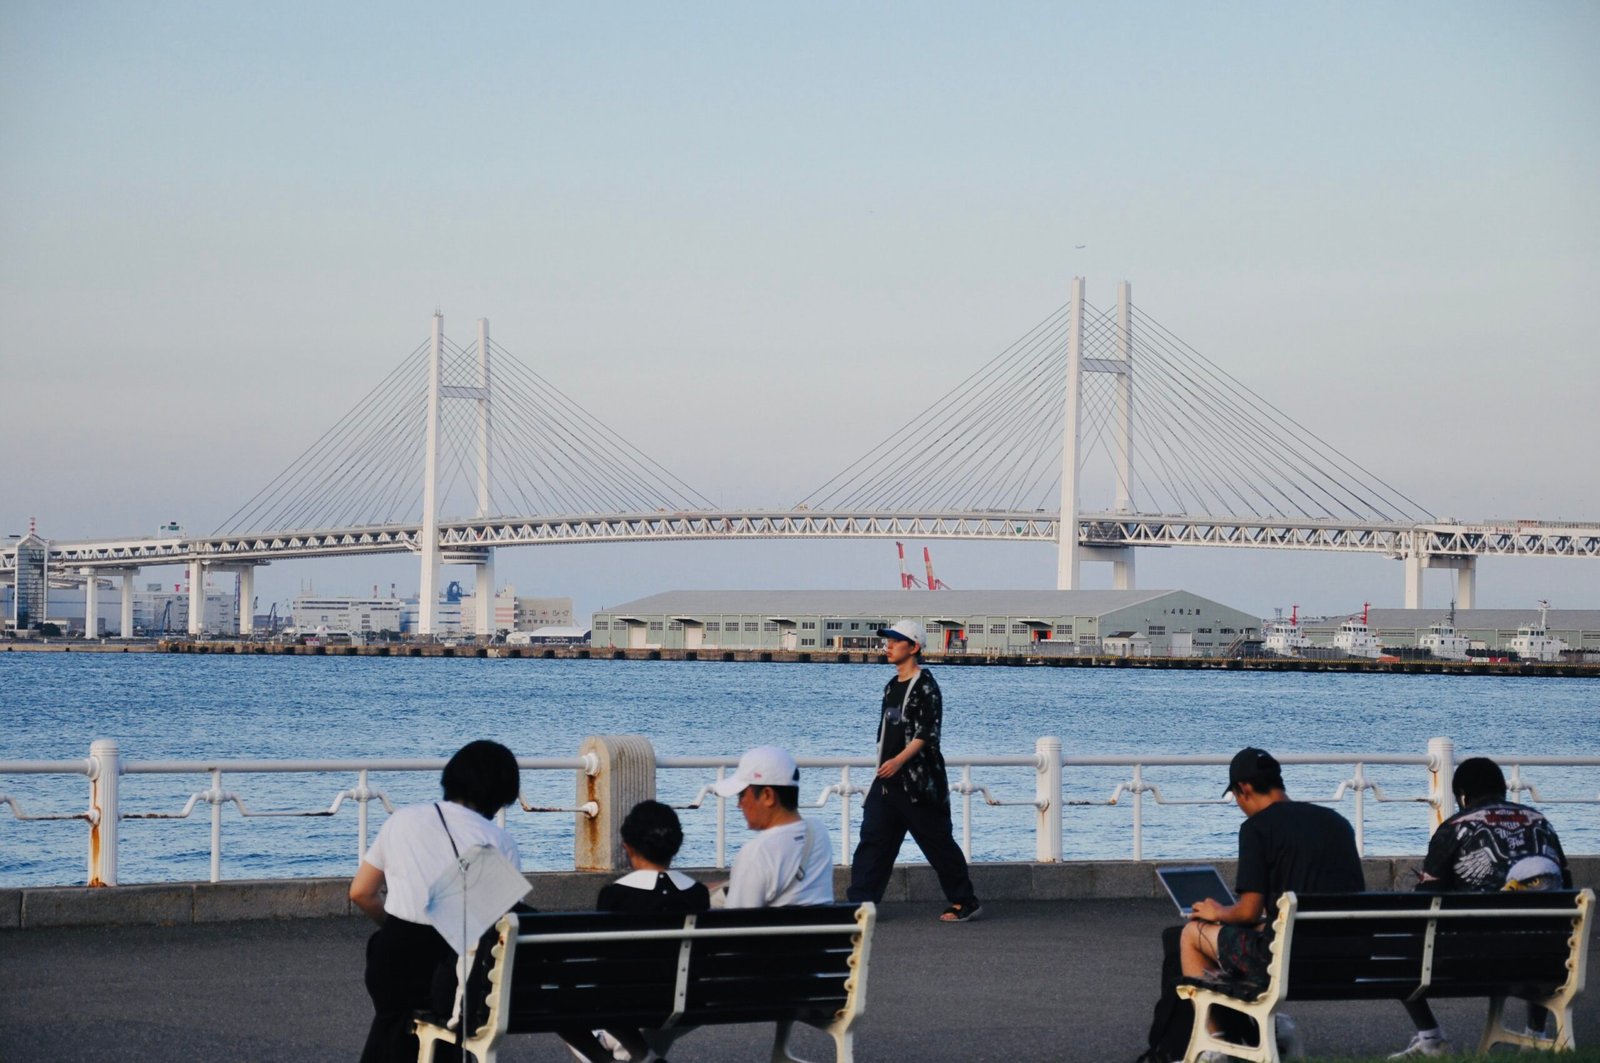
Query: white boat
[1443, 642]
[1355, 638]
[1534, 641]
[1284, 638]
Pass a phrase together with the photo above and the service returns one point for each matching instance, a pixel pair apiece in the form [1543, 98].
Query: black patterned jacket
[923, 776]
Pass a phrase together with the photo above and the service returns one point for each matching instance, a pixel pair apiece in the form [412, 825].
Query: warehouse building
[1136, 622]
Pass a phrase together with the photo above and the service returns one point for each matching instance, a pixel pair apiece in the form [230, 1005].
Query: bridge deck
[1032, 980]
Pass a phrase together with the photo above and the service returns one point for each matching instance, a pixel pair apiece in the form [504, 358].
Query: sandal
[959, 913]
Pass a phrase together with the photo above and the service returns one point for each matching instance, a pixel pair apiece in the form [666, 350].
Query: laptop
[1187, 885]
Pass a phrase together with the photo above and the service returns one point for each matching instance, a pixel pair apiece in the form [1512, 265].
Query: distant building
[1152, 622]
[158, 608]
[316, 613]
[454, 616]
[30, 604]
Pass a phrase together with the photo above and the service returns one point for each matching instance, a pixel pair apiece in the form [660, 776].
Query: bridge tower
[433, 557]
[1070, 552]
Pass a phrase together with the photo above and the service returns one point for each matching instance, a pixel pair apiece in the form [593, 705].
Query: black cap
[1249, 764]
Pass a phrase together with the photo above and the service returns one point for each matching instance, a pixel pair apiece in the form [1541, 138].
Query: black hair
[1478, 779]
[788, 797]
[482, 775]
[654, 832]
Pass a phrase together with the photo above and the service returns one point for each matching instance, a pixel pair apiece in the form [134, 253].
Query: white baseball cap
[762, 766]
[908, 629]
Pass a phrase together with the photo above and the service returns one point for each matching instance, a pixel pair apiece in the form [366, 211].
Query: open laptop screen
[1186, 885]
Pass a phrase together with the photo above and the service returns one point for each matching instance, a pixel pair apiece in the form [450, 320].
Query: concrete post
[127, 605]
[1441, 781]
[91, 604]
[483, 595]
[197, 598]
[105, 810]
[484, 570]
[1047, 795]
[247, 600]
[428, 584]
[1413, 579]
[625, 775]
[1466, 582]
[1067, 526]
[1125, 401]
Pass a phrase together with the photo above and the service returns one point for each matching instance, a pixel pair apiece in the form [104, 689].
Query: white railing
[104, 768]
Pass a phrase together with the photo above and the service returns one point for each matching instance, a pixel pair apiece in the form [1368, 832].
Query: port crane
[910, 582]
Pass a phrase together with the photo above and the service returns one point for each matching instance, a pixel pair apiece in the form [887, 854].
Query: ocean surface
[160, 706]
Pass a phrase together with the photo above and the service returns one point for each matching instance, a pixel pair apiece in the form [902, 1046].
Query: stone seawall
[168, 904]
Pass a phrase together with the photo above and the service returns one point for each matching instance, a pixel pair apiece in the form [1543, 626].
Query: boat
[1356, 639]
[1443, 642]
[1534, 642]
[1283, 638]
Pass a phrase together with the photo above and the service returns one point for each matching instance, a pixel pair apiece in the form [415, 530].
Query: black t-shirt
[894, 736]
[1291, 845]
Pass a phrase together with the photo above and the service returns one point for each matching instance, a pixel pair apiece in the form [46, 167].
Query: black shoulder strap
[447, 833]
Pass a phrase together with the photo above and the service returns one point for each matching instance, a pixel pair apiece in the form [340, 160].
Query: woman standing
[416, 847]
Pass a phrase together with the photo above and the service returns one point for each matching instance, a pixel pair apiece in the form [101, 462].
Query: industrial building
[1133, 622]
[341, 615]
[158, 608]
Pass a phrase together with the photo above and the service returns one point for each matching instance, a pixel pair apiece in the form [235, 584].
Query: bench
[1405, 946]
[664, 974]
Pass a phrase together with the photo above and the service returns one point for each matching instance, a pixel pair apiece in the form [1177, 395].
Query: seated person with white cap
[790, 860]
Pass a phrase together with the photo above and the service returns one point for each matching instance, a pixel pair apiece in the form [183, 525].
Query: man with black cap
[910, 791]
[1284, 846]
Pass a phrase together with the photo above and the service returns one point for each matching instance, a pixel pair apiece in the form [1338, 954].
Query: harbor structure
[1129, 622]
[155, 609]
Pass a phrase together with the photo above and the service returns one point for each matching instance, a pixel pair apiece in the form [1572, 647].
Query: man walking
[910, 792]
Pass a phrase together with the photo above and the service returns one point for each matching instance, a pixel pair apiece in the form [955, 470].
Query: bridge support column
[197, 598]
[1121, 559]
[126, 630]
[247, 600]
[1467, 582]
[428, 584]
[1067, 555]
[91, 604]
[483, 594]
[1414, 563]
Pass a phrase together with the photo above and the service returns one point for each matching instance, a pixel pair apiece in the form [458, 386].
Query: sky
[755, 239]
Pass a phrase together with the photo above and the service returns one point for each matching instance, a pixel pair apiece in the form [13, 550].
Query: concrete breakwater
[180, 903]
[1023, 660]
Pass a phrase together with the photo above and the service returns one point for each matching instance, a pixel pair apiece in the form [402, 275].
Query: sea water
[160, 706]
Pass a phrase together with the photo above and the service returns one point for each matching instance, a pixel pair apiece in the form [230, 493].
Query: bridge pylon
[1070, 551]
[432, 554]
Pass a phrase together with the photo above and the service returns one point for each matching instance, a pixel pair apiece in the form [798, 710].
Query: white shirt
[413, 851]
[786, 865]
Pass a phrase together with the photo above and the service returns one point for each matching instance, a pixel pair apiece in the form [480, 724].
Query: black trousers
[886, 818]
[1172, 1019]
[409, 967]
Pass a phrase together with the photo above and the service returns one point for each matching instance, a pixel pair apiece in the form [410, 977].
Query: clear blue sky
[222, 223]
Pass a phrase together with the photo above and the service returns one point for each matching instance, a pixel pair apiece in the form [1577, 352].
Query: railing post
[1047, 798]
[966, 812]
[216, 825]
[722, 826]
[105, 810]
[363, 796]
[1360, 781]
[1441, 781]
[844, 814]
[1138, 811]
[625, 774]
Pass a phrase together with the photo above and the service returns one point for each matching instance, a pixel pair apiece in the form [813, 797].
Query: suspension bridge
[462, 449]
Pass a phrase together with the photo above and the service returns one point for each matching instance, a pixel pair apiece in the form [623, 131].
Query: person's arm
[1245, 911]
[1439, 864]
[891, 767]
[366, 891]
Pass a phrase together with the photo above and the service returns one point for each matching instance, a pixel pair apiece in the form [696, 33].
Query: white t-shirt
[781, 866]
[413, 851]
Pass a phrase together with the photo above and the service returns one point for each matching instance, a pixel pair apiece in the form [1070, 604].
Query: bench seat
[667, 973]
[1405, 946]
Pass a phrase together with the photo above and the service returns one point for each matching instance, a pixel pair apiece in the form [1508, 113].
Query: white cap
[908, 629]
[762, 766]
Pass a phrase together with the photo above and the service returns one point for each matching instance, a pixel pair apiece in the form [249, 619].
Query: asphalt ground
[1029, 980]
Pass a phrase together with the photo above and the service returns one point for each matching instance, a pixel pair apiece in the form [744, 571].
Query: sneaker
[961, 913]
[612, 1045]
[1214, 1057]
[1288, 1037]
[1423, 1045]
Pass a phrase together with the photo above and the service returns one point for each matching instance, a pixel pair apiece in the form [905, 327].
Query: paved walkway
[1032, 980]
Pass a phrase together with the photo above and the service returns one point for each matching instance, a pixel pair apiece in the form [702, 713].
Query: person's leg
[1173, 1017]
[399, 978]
[930, 829]
[883, 831]
[1197, 949]
[1422, 1016]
